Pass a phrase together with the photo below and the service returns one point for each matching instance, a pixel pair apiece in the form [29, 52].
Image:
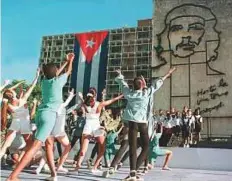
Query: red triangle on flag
[90, 42]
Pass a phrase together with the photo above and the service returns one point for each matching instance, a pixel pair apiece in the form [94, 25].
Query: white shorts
[59, 128]
[22, 126]
[93, 128]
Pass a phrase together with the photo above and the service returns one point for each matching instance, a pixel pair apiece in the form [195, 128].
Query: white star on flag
[90, 43]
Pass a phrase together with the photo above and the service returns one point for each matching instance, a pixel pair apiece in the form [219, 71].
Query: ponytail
[4, 115]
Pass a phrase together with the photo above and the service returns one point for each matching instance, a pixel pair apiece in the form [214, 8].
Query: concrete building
[129, 49]
[195, 37]
[54, 48]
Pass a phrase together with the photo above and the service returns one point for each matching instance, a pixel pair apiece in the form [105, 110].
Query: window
[128, 74]
[59, 42]
[57, 54]
[128, 62]
[142, 35]
[48, 43]
[112, 75]
[115, 62]
[116, 49]
[142, 61]
[116, 37]
[70, 42]
[143, 73]
[143, 47]
[129, 48]
[113, 88]
[130, 36]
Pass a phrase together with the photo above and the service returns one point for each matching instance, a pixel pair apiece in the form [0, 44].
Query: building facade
[129, 49]
[195, 37]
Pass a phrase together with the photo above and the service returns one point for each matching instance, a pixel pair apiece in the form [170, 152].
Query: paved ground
[154, 175]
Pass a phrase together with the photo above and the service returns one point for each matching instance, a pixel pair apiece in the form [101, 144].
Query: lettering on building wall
[212, 93]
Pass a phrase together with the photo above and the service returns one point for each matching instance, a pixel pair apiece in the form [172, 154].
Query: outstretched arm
[111, 101]
[70, 97]
[30, 89]
[106, 103]
[120, 80]
[157, 84]
[61, 68]
[80, 96]
[169, 73]
[33, 110]
[20, 92]
[69, 60]
[16, 85]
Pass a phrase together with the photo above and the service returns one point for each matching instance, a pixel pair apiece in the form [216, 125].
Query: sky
[24, 22]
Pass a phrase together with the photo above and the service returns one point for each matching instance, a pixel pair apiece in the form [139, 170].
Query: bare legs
[49, 144]
[36, 145]
[8, 141]
[67, 147]
[84, 147]
[85, 142]
[101, 150]
[28, 140]
[167, 159]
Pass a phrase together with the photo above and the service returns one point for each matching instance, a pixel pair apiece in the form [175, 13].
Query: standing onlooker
[191, 124]
[167, 133]
[185, 129]
[198, 125]
[177, 124]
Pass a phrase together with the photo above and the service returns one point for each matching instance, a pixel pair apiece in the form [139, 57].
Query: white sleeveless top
[21, 113]
[91, 112]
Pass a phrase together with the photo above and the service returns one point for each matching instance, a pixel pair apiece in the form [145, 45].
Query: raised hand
[71, 92]
[80, 96]
[172, 70]
[70, 57]
[144, 81]
[119, 71]
[38, 72]
[104, 92]
[6, 82]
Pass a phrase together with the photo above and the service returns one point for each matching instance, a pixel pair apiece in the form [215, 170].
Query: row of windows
[58, 42]
[131, 48]
[131, 36]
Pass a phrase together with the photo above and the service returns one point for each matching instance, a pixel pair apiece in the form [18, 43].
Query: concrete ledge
[200, 158]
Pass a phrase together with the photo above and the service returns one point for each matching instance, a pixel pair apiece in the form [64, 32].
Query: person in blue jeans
[136, 112]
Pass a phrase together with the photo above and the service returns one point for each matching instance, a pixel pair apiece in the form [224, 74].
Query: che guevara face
[185, 34]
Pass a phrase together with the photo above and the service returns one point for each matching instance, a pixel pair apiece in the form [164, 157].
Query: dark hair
[88, 100]
[7, 95]
[197, 109]
[159, 128]
[93, 91]
[137, 83]
[49, 70]
[79, 112]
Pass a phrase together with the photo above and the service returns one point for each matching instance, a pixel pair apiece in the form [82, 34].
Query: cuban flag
[90, 63]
